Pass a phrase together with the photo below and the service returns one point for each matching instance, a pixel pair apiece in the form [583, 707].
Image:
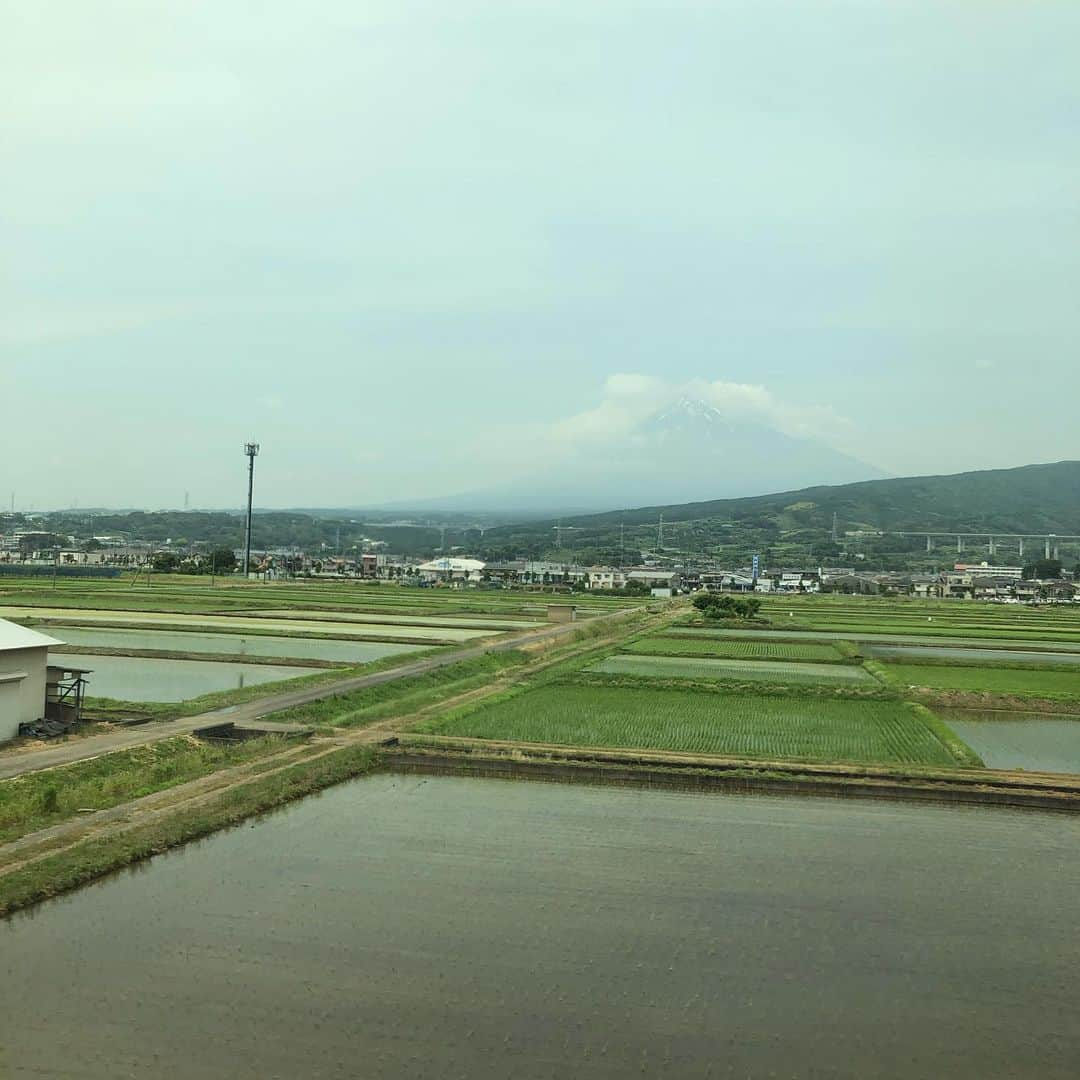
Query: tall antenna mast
[251, 450]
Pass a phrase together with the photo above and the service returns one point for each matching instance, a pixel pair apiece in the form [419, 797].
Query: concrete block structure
[24, 658]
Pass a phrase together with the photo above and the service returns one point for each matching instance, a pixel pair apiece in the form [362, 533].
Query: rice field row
[987, 680]
[733, 649]
[681, 667]
[972, 657]
[170, 593]
[786, 633]
[736, 725]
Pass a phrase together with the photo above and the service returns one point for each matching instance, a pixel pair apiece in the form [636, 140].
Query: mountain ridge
[1035, 500]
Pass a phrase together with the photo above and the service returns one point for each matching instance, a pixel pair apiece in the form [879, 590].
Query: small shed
[24, 661]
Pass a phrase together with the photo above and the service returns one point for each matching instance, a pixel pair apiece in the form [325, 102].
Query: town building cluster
[24, 551]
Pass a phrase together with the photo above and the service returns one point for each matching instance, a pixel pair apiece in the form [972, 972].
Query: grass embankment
[733, 649]
[95, 858]
[736, 725]
[40, 799]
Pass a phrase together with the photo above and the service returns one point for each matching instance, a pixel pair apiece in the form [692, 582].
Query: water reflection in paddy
[137, 678]
[406, 926]
[1008, 740]
[355, 652]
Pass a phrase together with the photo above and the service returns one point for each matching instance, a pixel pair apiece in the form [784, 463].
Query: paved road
[16, 763]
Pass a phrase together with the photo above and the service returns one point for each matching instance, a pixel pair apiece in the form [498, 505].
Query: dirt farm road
[23, 761]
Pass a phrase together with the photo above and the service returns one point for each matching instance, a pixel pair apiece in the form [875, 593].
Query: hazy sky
[406, 244]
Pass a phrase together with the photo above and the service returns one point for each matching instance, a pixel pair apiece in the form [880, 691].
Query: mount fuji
[685, 452]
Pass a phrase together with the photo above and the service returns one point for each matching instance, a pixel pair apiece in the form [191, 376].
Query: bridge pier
[929, 543]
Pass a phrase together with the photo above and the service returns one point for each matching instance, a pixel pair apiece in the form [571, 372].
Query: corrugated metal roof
[14, 636]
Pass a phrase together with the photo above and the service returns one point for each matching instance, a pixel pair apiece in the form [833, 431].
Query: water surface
[974, 656]
[412, 927]
[1019, 740]
[138, 678]
[355, 652]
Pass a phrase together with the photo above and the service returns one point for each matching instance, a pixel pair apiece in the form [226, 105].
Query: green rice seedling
[736, 724]
[988, 680]
[734, 649]
[669, 667]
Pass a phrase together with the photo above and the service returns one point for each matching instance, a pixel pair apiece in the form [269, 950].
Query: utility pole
[834, 534]
[251, 449]
[660, 534]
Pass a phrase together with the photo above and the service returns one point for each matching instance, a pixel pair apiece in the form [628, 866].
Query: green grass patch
[737, 725]
[676, 667]
[40, 799]
[988, 680]
[733, 649]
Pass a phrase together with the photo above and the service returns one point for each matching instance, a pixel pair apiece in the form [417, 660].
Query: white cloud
[630, 398]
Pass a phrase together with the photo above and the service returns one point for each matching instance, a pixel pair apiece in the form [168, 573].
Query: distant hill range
[1033, 499]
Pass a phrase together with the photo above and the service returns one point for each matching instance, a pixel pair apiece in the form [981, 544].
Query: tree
[164, 561]
[223, 560]
[1043, 568]
[723, 606]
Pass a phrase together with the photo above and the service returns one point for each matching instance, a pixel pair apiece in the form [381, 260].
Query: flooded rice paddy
[352, 652]
[433, 619]
[415, 927]
[973, 656]
[137, 678]
[1010, 740]
[231, 623]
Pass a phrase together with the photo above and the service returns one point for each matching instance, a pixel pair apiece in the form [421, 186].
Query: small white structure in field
[24, 659]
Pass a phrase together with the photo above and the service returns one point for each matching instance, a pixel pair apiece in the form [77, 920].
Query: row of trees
[221, 560]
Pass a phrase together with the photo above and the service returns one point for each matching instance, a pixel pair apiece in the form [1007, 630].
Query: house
[655, 579]
[605, 577]
[24, 661]
[956, 587]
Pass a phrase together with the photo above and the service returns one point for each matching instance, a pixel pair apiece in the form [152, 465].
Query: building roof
[14, 636]
[453, 565]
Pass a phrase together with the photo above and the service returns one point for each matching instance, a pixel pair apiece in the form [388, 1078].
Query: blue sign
[756, 566]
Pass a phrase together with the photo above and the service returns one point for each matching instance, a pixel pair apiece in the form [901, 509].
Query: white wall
[22, 701]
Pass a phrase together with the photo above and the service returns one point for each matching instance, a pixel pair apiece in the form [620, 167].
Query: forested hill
[1035, 498]
[1030, 499]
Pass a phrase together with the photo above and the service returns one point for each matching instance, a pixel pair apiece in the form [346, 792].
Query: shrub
[722, 606]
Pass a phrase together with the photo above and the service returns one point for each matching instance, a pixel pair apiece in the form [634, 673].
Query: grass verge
[40, 799]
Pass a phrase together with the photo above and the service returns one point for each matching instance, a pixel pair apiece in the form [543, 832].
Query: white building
[24, 658]
[606, 577]
[467, 570]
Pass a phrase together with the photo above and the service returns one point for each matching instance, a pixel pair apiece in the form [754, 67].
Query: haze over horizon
[418, 249]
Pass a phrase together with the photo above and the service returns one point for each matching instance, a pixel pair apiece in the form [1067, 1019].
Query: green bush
[723, 606]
